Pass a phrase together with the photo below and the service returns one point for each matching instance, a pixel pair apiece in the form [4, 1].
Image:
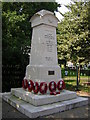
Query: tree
[73, 34]
[16, 29]
[16, 39]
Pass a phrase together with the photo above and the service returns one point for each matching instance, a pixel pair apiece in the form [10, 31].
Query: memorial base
[43, 73]
[35, 106]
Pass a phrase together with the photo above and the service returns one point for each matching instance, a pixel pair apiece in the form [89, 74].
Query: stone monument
[43, 67]
[43, 59]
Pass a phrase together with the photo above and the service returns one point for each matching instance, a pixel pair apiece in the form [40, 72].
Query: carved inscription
[48, 58]
[49, 45]
[49, 41]
[49, 36]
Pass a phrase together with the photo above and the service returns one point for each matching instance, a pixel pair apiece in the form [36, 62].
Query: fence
[12, 75]
[73, 72]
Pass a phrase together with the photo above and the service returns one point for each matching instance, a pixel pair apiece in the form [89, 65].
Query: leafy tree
[73, 34]
[16, 29]
[16, 39]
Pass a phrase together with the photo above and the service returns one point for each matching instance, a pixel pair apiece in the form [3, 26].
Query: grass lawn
[71, 84]
[87, 78]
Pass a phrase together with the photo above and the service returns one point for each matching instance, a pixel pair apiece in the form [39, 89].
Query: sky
[62, 9]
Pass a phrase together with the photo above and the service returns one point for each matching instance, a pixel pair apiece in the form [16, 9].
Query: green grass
[87, 78]
[71, 85]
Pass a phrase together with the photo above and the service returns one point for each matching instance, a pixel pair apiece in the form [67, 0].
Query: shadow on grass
[70, 80]
[84, 88]
[72, 87]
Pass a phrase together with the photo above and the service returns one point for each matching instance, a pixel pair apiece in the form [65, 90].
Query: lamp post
[77, 76]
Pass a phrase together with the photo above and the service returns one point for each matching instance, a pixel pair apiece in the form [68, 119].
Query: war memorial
[43, 89]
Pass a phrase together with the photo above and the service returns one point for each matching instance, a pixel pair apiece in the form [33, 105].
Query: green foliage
[73, 34]
[16, 39]
[16, 29]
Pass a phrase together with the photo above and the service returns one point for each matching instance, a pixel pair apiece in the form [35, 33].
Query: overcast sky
[62, 9]
[64, 2]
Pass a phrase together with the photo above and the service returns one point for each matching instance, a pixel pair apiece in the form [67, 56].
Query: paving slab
[0, 106]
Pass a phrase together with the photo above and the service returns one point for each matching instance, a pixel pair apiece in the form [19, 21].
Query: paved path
[81, 112]
[0, 108]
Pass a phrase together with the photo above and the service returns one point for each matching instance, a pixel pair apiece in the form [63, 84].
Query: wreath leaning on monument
[30, 85]
[36, 88]
[61, 85]
[52, 86]
[43, 87]
[25, 83]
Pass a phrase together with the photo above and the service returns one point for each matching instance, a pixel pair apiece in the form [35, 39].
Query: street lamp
[77, 76]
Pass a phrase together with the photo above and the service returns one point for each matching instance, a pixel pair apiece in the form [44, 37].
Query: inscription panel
[49, 45]
[49, 58]
[49, 40]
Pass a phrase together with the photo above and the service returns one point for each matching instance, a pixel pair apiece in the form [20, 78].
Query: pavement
[0, 107]
[7, 111]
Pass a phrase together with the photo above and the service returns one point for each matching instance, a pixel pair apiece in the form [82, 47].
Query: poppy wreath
[52, 93]
[25, 84]
[52, 86]
[30, 85]
[36, 88]
[61, 85]
[43, 90]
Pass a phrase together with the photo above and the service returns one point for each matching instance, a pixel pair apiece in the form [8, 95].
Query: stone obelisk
[43, 66]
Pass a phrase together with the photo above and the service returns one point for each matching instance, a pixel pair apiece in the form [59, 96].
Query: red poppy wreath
[25, 84]
[52, 86]
[61, 85]
[43, 87]
[36, 88]
[30, 85]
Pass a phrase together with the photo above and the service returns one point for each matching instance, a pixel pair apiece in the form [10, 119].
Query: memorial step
[36, 111]
[39, 99]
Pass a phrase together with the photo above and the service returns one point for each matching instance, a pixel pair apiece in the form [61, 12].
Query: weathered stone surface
[43, 66]
[35, 111]
[37, 100]
[0, 106]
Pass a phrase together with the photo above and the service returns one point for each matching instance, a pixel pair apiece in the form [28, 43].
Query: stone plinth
[36, 111]
[38, 100]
